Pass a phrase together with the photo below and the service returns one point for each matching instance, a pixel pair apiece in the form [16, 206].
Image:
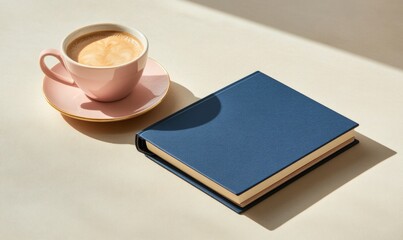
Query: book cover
[240, 136]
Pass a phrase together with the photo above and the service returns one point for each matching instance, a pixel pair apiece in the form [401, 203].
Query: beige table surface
[67, 179]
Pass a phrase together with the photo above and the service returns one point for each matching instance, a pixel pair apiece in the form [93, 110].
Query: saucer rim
[113, 119]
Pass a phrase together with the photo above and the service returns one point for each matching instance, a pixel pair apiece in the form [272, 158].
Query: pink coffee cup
[101, 83]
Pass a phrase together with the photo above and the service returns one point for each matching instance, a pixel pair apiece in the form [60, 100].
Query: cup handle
[48, 72]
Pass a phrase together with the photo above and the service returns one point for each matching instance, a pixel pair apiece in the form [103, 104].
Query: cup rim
[114, 27]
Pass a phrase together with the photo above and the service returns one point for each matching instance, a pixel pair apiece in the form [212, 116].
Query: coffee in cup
[105, 61]
[106, 48]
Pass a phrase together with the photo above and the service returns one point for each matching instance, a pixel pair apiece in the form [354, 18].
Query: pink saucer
[72, 102]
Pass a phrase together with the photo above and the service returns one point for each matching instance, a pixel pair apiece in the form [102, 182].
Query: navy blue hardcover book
[247, 140]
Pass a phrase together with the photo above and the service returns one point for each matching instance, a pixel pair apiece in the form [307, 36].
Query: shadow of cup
[123, 132]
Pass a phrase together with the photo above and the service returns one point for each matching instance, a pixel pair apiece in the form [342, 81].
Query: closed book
[247, 140]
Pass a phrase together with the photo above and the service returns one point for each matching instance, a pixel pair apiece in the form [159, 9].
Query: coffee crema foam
[105, 48]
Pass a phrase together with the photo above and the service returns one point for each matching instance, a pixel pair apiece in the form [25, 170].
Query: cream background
[66, 179]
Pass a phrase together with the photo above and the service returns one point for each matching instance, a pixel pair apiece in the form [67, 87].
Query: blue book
[247, 140]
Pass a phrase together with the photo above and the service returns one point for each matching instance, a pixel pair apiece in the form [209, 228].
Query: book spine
[141, 145]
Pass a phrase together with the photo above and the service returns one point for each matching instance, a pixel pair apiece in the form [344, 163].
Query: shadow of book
[123, 132]
[311, 188]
